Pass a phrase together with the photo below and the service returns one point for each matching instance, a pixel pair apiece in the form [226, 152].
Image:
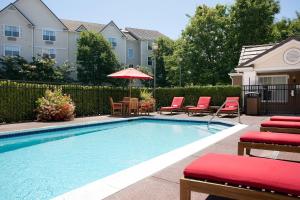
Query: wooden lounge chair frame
[242, 146]
[280, 130]
[225, 190]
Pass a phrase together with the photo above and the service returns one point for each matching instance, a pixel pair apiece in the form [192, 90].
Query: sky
[166, 16]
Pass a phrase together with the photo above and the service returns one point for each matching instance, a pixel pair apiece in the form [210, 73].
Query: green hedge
[17, 100]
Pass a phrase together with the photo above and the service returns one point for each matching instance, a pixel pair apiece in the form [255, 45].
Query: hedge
[17, 99]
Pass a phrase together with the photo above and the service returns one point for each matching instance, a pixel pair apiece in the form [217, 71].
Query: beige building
[29, 34]
[271, 74]
[269, 64]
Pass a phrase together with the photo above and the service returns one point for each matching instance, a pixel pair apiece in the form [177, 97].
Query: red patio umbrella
[130, 73]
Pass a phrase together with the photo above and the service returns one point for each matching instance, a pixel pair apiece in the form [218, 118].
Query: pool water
[42, 166]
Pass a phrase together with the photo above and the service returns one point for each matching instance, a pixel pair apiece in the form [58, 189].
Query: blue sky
[167, 16]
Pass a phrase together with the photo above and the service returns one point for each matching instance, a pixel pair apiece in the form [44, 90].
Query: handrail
[216, 114]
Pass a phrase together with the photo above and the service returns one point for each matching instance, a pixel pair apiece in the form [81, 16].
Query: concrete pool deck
[165, 183]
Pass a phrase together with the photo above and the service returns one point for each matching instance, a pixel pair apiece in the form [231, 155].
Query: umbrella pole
[130, 88]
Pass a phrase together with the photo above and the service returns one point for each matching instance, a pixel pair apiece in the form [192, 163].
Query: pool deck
[165, 183]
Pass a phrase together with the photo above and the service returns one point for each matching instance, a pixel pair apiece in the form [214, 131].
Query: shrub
[17, 100]
[55, 106]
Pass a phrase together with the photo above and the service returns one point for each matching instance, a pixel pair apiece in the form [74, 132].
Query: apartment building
[28, 28]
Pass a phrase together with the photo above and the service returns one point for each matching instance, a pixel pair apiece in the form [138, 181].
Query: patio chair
[285, 118]
[231, 106]
[269, 141]
[176, 105]
[115, 106]
[202, 106]
[280, 126]
[134, 106]
[241, 177]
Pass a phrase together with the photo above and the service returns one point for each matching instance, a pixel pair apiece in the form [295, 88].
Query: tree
[204, 43]
[252, 22]
[95, 58]
[11, 67]
[39, 69]
[286, 28]
[165, 47]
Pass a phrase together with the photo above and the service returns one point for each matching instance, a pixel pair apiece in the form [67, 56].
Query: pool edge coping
[32, 131]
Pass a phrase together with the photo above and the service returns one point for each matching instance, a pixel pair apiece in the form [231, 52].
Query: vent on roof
[292, 56]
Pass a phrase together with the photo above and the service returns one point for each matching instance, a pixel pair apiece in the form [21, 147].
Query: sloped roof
[144, 34]
[128, 35]
[251, 51]
[13, 5]
[74, 25]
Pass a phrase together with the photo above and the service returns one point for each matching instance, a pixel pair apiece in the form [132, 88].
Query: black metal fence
[274, 99]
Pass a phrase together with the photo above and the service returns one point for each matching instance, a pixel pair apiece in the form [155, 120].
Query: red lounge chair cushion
[176, 104]
[203, 102]
[168, 108]
[232, 102]
[285, 118]
[281, 124]
[229, 109]
[260, 173]
[198, 108]
[271, 138]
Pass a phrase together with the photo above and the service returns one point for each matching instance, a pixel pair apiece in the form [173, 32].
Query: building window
[49, 35]
[274, 88]
[113, 42]
[11, 51]
[12, 31]
[150, 62]
[130, 53]
[49, 53]
[150, 46]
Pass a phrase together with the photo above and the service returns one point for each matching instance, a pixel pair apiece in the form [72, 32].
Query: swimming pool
[51, 162]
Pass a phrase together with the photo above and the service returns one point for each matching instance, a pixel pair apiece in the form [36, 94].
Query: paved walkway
[164, 185]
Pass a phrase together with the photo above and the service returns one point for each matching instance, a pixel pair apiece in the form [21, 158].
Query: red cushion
[232, 102]
[198, 108]
[168, 108]
[280, 176]
[203, 102]
[281, 124]
[285, 118]
[229, 109]
[177, 102]
[271, 138]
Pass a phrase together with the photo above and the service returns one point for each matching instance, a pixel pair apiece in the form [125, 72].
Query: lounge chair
[241, 177]
[231, 105]
[280, 126]
[285, 118]
[269, 141]
[202, 106]
[176, 105]
[115, 107]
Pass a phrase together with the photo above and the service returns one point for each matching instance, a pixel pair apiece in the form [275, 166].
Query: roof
[144, 34]
[18, 11]
[128, 35]
[114, 24]
[251, 53]
[74, 25]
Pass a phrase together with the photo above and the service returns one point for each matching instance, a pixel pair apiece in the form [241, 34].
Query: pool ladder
[216, 114]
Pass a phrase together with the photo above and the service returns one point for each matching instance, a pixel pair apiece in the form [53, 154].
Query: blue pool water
[42, 166]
